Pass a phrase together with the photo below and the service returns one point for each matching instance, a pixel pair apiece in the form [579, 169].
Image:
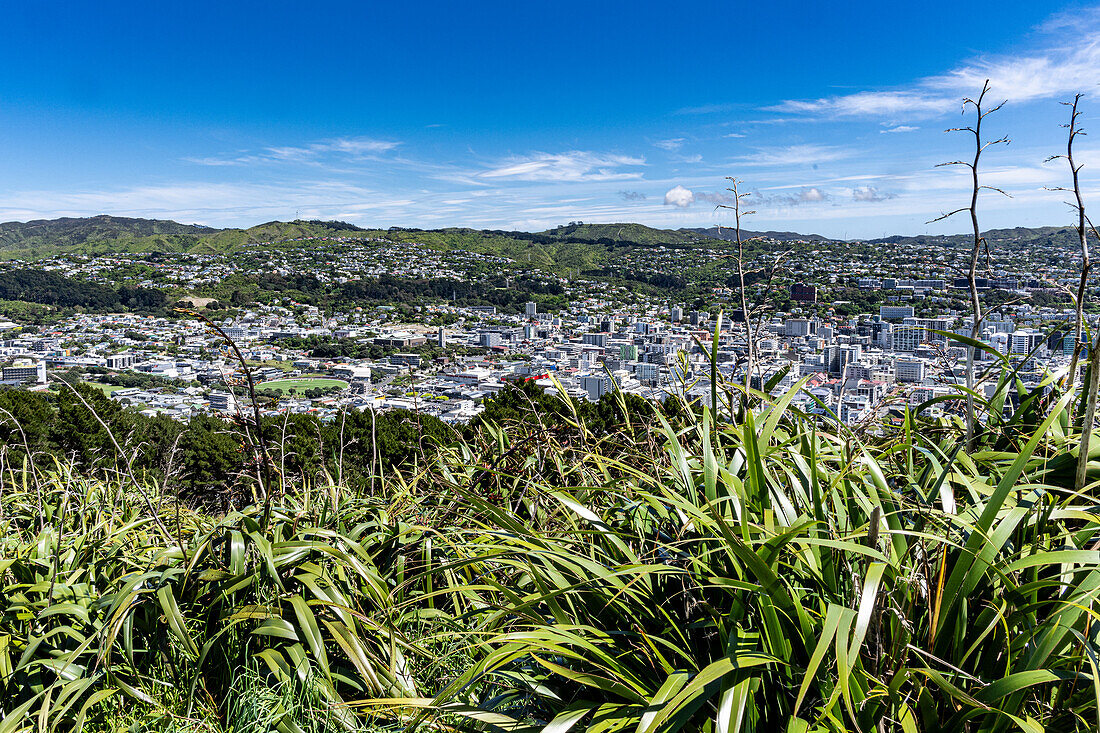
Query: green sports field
[107, 388]
[299, 386]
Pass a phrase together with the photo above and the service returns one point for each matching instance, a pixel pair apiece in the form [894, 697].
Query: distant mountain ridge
[107, 234]
[728, 234]
[574, 245]
[69, 231]
[1022, 236]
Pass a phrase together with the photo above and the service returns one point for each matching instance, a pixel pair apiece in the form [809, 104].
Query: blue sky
[528, 115]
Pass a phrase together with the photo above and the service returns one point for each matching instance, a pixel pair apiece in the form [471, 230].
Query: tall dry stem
[978, 241]
[741, 286]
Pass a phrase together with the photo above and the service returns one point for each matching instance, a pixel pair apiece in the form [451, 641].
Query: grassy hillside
[75, 231]
[576, 246]
[107, 234]
[43, 238]
[565, 248]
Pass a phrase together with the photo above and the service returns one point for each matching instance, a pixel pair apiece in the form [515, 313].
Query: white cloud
[870, 104]
[672, 143]
[1068, 62]
[794, 155]
[679, 196]
[733, 134]
[900, 128]
[216, 204]
[344, 147]
[213, 161]
[576, 165]
[871, 194]
[1023, 78]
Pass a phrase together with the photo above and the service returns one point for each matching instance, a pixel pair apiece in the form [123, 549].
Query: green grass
[300, 385]
[108, 389]
[282, 364]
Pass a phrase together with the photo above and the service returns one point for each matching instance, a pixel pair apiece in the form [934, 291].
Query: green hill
[570, 247]
[104, 234]
[1015, 237]
[44, 237]
[575, 246]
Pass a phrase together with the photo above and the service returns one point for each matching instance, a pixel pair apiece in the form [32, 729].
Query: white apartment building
[886, 312]
[909, 370]
[906, 337]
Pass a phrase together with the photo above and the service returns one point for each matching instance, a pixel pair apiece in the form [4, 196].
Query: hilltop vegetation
[53, 289]
[43, 238]
[107, 234]
[69, 232]
[568, 248]
[572, 247]
[622, 567]
[1017, 237]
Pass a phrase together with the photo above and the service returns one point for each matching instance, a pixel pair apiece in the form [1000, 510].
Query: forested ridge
[55, 289]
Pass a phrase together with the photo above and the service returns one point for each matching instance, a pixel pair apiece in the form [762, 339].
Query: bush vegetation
[554, 567]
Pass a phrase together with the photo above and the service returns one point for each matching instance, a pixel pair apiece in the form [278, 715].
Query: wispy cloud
[214, 161]
[807, 195]
[758, 200]
[900, 128]
[347, 148]
[871, 194]
[791, 155]
[353, 147]
[217, 204]
[573, 166]
[1067, 62]
[672, 143]
[704, 109]
[718, 199]
[870, 104]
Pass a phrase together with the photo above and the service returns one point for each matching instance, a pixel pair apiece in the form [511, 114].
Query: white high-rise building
[532, 309]
[907, 337]
[909, 370]
[1024, 342]
[895, 311]
[26, 370]
[931, 326]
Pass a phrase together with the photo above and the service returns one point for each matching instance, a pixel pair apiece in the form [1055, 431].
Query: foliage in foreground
[762, 573]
